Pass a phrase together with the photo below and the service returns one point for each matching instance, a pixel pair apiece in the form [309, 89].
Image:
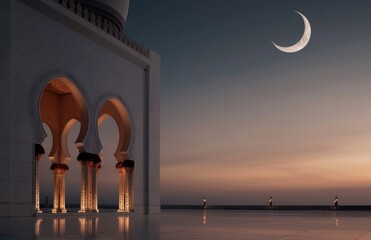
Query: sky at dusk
[241, 120]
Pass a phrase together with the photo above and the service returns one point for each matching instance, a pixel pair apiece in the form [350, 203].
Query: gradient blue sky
[240, 120]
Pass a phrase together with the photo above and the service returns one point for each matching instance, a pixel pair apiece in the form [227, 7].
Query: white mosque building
[68, 61]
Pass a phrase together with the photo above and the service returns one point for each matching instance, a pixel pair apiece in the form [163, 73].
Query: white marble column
[89, 186]
[59, 187]
[83, 187]
[37, 186]
[95, 169]
[129, 188]
[90, 163]
[39, 151]
[62, 192]
[56, 193]
[122, 174]
[125, 170]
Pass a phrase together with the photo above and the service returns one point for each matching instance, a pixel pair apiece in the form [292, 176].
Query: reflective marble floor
[266, 225]
[194, 224]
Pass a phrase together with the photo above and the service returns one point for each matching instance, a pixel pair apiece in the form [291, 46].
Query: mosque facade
[68, 61]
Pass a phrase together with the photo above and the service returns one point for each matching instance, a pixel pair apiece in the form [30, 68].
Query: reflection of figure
[205, 204]
[336, 202]
[336, 219]
[204, 217]
[270, 202]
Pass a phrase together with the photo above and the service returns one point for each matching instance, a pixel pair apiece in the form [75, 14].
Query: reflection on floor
[193, 224]
[81, 226]
[265, 225]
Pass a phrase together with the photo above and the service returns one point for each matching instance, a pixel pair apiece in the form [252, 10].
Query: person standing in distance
[270, 202]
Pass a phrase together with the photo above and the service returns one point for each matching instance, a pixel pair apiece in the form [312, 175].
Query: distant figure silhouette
[205, 204]
[270, 202]
[336, 202]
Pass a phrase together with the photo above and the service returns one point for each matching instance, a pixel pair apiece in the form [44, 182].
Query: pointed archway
[109, 137]
[115, 109]
[61, 106]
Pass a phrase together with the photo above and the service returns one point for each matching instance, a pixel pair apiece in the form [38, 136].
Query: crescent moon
[302, 42]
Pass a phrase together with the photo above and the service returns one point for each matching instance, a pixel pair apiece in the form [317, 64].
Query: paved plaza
[193, 224]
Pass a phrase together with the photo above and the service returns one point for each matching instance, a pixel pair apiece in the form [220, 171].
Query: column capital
[84, 156]
[59, 167]
[87, 157]
[128, 165]
[39, 151]
[83, 163]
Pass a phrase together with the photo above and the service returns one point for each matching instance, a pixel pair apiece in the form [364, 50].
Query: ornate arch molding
[76, 92]
[113, 107]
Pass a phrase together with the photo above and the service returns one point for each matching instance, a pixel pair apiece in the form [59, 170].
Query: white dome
[121, 6]
[115, 11]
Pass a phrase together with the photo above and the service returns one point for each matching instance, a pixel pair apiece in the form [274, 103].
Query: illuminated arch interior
[61, 106]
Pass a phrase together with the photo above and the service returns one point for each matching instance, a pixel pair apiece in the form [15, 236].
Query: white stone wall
[17, 152]
[43, 47]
